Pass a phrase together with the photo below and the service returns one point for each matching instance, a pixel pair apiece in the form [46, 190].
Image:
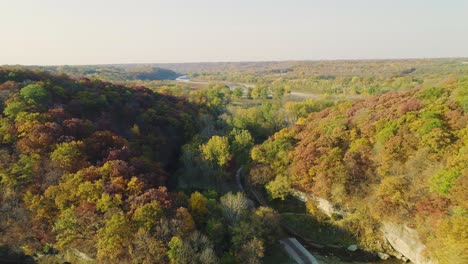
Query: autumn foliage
[84, 165]
[400, 156]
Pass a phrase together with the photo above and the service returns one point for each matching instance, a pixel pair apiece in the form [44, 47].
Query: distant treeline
[118, 73]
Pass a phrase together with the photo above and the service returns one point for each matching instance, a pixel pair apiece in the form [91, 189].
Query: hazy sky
[145, 31]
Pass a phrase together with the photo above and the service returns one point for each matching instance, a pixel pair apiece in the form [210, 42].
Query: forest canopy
[216, 172]
[400, 157]
[85, 163]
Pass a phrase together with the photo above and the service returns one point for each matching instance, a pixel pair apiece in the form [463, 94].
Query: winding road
[291, 245]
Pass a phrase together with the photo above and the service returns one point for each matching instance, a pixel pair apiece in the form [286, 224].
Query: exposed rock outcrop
[406, 241]
[402, 238]
[324, 205]
[352, 248]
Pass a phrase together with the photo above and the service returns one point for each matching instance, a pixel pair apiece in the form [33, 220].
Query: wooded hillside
[84, 164]
[401, 157]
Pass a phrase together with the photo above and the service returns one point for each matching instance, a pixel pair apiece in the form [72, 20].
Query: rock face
[406, 241]
[402, 238]
[327, 207]
[324, 205]
[383, 255]
[352, 247]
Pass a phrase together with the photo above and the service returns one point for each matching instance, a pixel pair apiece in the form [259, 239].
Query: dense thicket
[399, 157]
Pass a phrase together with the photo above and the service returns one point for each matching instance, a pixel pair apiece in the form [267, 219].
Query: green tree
[69, 156]
[68, 228]
[107, 202]
[287, 89]
[148, 215]
[216, 230]
[242, 142]
[264, 92]
[255, 93]
[35, 94]
[13, 108]
[7, 131]
[178, 253]
[278, 92]
[260, 92]
[217, 150]
[197, 206]
[76, 228]
[280, 187]
[443, 181]
[114, 237]
[22, 171]
[249, 93]
[238, 92]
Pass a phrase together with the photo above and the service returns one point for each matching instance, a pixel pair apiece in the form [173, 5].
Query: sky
[58, 32]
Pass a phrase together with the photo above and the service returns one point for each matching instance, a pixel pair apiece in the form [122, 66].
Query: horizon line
[240, 61]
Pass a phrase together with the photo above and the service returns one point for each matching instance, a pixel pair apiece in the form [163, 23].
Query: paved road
[300, 254]
[295, 250]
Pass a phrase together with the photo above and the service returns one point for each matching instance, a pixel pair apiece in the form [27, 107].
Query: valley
[204, 167]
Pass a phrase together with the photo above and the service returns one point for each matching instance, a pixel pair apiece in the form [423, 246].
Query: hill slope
[398, 157]
[84, 163]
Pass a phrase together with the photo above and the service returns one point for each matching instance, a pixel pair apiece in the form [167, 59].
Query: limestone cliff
[402, 238]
